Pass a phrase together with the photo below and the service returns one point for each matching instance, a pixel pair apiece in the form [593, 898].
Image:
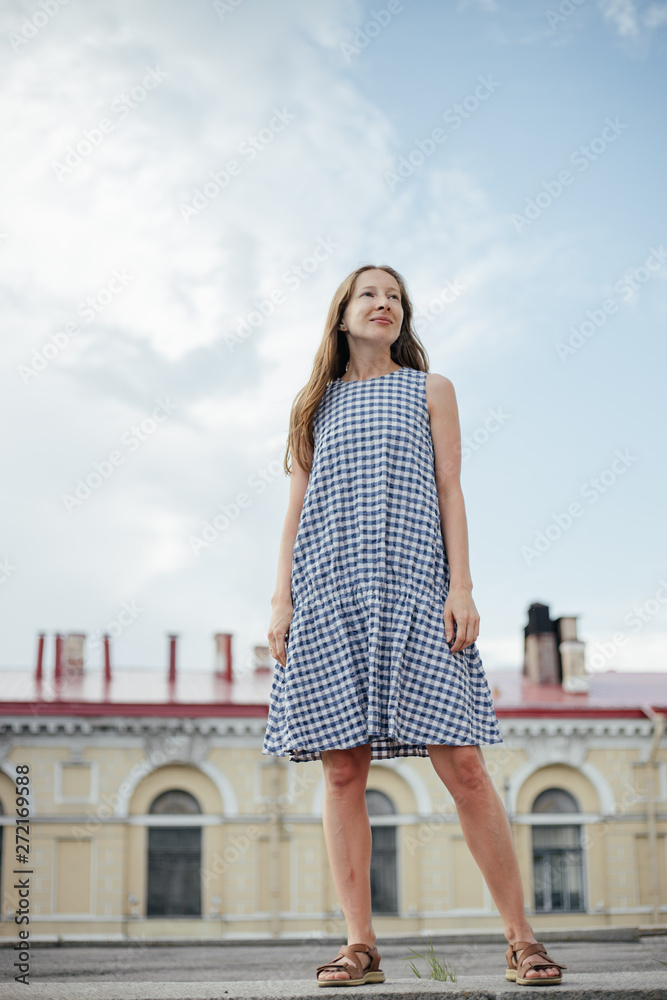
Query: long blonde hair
[331, 360]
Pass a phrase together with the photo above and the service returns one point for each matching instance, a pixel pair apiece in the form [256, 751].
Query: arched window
[174, 858]
[173, 802]
[384, 880]
[555, 800]
[557, 855]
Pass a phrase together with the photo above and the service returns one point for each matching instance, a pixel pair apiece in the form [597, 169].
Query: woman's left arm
[446, 433]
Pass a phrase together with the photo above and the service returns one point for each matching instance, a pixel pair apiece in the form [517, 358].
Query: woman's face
[374, 311]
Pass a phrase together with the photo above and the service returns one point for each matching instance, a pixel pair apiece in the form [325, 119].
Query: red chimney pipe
[39, 673]
[58, 671]
[172, 658]
[223, 656]
[228, 657]
[107, 660]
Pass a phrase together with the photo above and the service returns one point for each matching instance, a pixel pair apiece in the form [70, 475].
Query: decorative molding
[554, 756]
[146, 767]
[590, 727]
[178, 748]
[249, 730]
[78, 761]
[233, 728]
[571, 749]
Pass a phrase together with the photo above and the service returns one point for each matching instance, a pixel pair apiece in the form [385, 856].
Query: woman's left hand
[460, 609]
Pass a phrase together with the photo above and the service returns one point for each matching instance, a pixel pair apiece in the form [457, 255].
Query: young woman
[374, 625]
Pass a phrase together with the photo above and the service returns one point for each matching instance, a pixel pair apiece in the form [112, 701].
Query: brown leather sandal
[358, 975]
[516, 970]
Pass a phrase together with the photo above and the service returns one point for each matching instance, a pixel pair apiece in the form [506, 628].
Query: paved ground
[228, 962]
[629, 986]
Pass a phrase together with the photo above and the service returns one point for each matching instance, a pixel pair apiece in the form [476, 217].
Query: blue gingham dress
[367, 656]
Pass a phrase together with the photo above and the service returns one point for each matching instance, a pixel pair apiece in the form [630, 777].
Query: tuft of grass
[440, 969]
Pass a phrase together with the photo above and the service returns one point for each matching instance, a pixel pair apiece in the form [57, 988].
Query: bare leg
[488, 835]
[347, 834]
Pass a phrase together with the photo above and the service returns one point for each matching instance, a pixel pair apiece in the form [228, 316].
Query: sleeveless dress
[367, 656]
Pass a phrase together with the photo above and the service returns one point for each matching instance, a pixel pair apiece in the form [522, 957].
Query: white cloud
[629, 21]
[321, 178]
[490, 5]
[655, 16]
[622, 14]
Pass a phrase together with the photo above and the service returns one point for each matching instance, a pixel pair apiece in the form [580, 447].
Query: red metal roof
[135, 691]
[609, 693]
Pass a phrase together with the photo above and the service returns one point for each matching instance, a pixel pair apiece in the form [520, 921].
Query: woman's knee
[346, 768]
[464, 769]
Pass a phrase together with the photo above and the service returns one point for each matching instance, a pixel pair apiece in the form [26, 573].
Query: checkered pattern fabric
[367, 656]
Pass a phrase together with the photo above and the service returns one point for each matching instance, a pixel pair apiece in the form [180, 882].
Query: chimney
[541, 662]
[263, 660]
[72, 654]
[572, 655]
[172, 658]
[58, 662]
[39, 672]
[223, 656]
[107, 659]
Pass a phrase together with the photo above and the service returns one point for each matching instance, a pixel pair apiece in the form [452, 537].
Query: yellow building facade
[164, 826]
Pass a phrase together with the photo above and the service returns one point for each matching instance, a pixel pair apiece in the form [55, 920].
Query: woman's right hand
[279, 630]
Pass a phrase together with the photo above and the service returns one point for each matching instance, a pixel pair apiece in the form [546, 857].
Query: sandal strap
[357, 971]
[524, 957]
[371, 951]
[514, 948]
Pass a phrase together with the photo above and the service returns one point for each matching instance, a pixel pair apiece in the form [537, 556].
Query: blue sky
[128, 271]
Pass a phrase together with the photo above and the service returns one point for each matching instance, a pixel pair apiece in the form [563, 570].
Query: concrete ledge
[629, 986]
[631, 933]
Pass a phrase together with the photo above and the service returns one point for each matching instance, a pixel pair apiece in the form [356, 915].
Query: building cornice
[599, 725]
[237, 726]
[191, 710]
[136, 725]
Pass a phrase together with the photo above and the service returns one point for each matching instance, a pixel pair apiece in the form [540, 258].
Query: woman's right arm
[281, 602]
